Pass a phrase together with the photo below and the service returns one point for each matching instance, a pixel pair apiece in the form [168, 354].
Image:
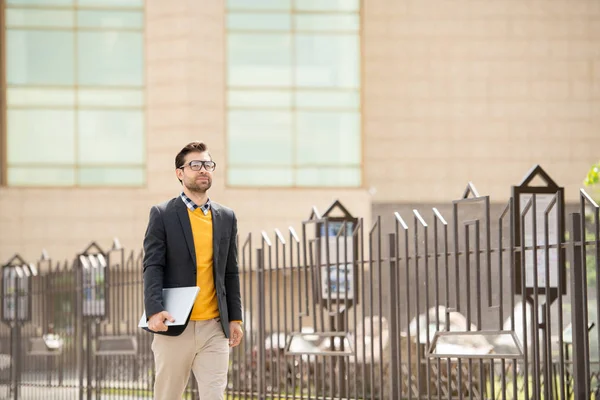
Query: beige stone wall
[185, 66]
[472, 90]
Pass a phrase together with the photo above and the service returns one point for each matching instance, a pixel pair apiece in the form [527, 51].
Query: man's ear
[179, 174]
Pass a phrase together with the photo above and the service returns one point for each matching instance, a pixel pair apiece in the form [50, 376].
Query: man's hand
[156, 322]
[235, 334]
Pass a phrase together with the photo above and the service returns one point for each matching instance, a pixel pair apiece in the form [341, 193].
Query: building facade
[377, 103]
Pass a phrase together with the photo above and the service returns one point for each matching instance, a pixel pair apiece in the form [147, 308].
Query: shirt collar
[192, 206]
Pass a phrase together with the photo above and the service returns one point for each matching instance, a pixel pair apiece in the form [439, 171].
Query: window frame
[293, 90]
[75, 7]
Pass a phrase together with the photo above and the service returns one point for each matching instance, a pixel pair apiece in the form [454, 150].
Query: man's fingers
[236, 337]
[157, 327]
[168, 316]
[157, 321]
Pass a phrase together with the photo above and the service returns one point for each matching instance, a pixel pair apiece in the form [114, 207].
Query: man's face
[196, 181]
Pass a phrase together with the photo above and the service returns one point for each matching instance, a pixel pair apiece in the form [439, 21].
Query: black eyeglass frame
[203, 164]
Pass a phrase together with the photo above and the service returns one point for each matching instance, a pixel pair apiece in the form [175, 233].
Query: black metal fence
[470, 305]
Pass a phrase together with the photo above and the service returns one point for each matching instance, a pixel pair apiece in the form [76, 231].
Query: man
[191, 241]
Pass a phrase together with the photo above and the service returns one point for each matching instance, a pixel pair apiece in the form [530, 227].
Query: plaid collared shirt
[192, 206]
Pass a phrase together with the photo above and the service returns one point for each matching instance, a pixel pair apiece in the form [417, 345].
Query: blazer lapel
[184, 219]
[216, 223]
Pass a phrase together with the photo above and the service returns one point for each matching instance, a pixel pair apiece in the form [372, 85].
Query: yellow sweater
[206, 305]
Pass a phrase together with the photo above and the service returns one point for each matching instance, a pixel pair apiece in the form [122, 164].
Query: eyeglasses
[196, 165]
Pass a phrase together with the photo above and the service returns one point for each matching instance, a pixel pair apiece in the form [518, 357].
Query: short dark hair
[191, 147]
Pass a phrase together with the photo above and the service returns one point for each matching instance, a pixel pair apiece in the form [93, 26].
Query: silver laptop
[178, 302]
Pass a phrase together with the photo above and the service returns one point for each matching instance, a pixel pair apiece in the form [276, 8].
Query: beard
[198, 186]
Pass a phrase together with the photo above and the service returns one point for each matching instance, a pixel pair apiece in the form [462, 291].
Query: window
[293, 94]
[74, 93]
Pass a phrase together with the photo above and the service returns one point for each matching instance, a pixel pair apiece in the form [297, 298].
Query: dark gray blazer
[170, 259]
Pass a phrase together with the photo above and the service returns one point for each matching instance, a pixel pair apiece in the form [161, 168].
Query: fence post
[394, 370]
[16, 351]
[79, 330]
[261, 325]
[16, 311]
[580, 358]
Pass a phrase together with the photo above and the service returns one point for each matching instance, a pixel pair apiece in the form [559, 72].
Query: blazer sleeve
[232, 277]
[155, 254]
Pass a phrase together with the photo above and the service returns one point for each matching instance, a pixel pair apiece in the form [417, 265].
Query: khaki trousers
[201, 348]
